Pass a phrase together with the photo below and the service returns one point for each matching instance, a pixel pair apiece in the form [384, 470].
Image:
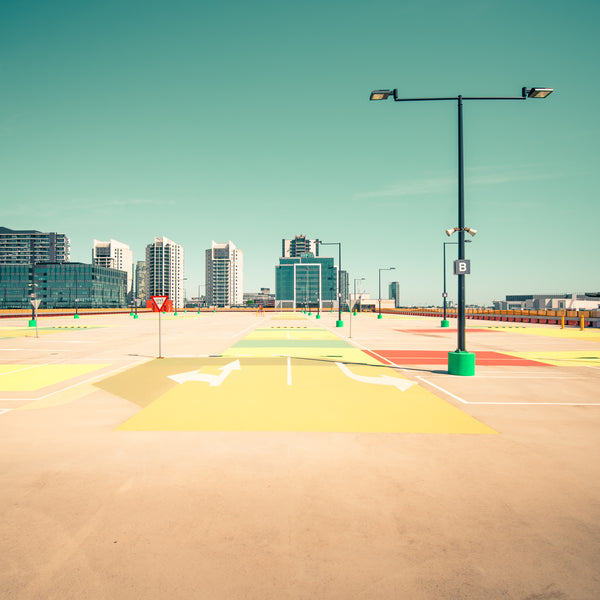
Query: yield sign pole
[159, 302]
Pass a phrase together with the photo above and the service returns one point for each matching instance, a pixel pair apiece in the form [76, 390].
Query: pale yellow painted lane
[290, 333]
[567, 358]
[570, 333]
[25, 378]
[302, 395]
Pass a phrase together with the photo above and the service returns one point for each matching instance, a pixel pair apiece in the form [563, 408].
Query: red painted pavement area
[435, 357]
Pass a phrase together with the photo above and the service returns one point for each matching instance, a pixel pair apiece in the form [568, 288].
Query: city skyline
[211, 122]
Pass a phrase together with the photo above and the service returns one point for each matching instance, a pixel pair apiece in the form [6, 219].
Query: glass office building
[305, 282]
[62, 285]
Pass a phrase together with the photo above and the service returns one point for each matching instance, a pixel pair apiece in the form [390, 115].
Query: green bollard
[461, 363]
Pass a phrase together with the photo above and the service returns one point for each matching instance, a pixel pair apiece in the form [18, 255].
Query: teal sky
[251, 122]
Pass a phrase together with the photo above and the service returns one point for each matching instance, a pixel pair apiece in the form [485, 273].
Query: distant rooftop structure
[299, 246]
[586, 301]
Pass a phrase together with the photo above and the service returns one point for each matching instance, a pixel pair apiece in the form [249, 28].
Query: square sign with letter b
[462, 267]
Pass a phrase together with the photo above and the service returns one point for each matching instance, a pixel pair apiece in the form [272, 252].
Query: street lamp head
[380, 94]
[472, 232]
[537, 92]
[449, 232]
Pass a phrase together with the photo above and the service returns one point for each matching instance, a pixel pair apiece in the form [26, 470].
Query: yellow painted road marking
[35, 377]
[571, 333]
[570, 358]
[321, 398]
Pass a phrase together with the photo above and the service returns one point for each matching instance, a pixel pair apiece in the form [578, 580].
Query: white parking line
[508, 403]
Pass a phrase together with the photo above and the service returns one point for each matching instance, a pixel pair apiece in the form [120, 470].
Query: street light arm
[534, 92]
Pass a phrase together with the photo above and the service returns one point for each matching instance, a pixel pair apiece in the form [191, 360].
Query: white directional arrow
[401, 384]
[207, 377]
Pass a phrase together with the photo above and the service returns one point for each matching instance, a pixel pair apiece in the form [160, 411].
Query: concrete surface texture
[278, 456]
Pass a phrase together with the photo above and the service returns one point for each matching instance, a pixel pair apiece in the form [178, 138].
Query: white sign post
[35, 302]
[159, 302]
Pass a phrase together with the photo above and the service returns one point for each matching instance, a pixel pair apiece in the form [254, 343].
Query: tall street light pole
[339, 322]
[382, 269]
[462, 362]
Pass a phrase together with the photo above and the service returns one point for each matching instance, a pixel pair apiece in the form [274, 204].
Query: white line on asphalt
[244, 330]
[4, 410]
[509, 403]
[443, 390]
[35, 349]
[30, 367]
[90, 380]
[289, 370]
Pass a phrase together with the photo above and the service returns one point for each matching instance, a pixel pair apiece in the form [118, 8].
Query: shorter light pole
[76, 315]
[382, 269]
[357, 279]
[445, 322]
[339, 322]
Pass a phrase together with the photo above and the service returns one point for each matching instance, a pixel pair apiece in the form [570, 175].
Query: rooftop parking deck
[277, 456]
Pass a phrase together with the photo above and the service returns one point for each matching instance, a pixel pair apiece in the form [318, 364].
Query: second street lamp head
[380, 94]
[537, 92]
[472, 232]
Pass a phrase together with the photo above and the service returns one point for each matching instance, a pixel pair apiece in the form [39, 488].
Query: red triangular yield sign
[159, 301]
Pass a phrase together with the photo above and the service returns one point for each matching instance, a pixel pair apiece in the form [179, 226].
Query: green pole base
[174, 314]
[461, 363]
[354, 314]
[32, 323]
[380, 316]
[310, 314]
[131, 314]
[214, 311]
[339, 323]
[76, 316]
[445, 323]
[135, 316]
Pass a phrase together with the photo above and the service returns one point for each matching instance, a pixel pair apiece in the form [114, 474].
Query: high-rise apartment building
[395, 293]
[25, 246]
[224, 275]
[299, 246]
[164, 264]
[115, 255]
[141, 282]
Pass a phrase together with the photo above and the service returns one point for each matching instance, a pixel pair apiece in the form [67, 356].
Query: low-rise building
[62, 285]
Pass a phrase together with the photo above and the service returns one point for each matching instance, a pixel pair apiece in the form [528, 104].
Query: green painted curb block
[445, 323]
[32, 323]
[461, 363]
[339, 323]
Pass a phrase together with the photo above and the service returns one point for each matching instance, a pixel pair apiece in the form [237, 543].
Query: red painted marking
[436, 357]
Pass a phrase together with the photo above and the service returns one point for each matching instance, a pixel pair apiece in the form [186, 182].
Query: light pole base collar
[380, 316]
[76, 316]
[339, 323]
[461, 363]
[445, 323]
[32, 323]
